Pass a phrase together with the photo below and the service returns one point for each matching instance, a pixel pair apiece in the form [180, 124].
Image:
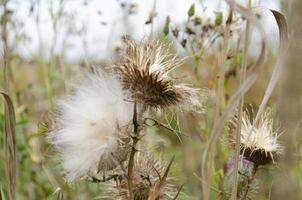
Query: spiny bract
[150, 182]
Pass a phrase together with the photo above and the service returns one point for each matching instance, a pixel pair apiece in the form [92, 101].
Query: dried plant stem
[222, 67]
[240, 109]
[234, 100]
[135, 139]
[207, 171]
[4, 37]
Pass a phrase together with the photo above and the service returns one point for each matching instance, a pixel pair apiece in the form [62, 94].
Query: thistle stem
[249, 181]
[135, 139]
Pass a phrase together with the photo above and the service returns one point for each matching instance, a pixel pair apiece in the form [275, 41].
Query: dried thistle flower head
[151, 181]
[91, 126]
[259, 144]
[144, 71]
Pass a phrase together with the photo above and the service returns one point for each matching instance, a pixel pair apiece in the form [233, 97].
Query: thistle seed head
[150, 182]
[144, 71]
[91, 128]
[259, 144]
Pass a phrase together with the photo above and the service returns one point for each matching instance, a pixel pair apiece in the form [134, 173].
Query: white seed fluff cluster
[262, 136]
[89, 124]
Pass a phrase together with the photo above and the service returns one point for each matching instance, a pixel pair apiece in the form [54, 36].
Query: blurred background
[49, 44]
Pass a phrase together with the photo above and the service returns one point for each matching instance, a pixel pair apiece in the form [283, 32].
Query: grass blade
[283, 34]
[2, 197]
[10, 142]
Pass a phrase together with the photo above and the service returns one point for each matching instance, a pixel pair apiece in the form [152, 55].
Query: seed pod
[191, 10]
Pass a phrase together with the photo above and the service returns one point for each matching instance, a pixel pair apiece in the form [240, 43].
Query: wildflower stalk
[4, 37]
[240, 109]
[220, 96]
[135, 139]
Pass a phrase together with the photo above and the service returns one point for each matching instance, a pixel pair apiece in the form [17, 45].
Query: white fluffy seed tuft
[89, 123]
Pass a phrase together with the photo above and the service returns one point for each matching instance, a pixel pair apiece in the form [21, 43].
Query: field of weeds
[150, 100]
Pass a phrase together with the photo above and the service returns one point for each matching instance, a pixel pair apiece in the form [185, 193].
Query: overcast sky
[104, 22]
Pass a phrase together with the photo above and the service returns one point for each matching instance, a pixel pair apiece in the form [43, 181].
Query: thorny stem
[135, 139]
[249, 181]
[240, 110]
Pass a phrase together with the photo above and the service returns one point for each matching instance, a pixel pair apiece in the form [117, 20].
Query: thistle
[144, 71]
[259, 144]
[92, 127]
[98, 128]
[151, 182]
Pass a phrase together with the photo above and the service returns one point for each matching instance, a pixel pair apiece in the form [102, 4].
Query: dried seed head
[91, 126]
[144, 71]
[259, 144]
[150, 182]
